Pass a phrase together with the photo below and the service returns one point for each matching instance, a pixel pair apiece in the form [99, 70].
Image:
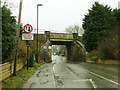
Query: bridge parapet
[61, 36]
[65, 36]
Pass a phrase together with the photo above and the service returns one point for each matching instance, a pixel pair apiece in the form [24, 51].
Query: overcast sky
[56, 15]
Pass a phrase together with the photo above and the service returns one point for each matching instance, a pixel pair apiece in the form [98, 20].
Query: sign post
[44, 56]
[27, 36]
[44, 49]
[27, 54]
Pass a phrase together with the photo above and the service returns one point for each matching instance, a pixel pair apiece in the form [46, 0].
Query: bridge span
[75, 49]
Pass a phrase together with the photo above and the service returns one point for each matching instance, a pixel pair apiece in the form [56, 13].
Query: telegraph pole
[18, 31]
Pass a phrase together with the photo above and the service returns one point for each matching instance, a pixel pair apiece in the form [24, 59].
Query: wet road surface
[60, 74]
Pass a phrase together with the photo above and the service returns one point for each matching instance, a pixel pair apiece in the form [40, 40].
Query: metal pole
[44, 56]
[27, 54]
[16, 54]
[37, 35]
[37, 32]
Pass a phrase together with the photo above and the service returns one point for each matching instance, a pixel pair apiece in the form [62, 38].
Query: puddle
[37, 75]
[32, 84]
[43, 81]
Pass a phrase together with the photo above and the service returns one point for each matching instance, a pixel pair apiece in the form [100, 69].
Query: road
[60, 74]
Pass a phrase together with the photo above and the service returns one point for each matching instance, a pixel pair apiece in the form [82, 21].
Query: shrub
[102, 55]
[32, 60]
[8, 32]
[95, 53]
[109, 47]
[37, 65]
[94, 58]
[22, 76]
[18, 80]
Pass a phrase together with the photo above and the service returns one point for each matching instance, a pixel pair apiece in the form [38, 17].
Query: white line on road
[90, 80]
[54, 74]
[81, 80]
[93, 83]
[104, 78]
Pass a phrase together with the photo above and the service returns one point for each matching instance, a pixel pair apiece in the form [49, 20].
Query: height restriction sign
[28, 28]
[44, 48]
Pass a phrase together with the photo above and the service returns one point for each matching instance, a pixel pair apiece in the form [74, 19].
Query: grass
[21, 77]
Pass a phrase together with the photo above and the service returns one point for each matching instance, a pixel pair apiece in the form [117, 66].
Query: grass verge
[21, 77]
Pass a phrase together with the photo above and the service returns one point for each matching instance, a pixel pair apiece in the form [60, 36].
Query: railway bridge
[74, 48]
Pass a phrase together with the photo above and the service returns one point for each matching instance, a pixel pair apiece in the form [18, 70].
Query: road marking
[104, 78]
[54, 75]
[83, 80]
[93, 83]
[90, 80]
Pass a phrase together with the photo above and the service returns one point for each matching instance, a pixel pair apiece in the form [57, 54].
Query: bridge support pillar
[47, 33]
[48, 52]
[69, 52]
[75, 35]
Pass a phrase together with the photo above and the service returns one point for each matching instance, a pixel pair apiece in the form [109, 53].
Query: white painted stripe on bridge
[103, 78]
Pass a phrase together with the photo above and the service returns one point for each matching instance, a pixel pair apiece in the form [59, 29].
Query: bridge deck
[65, 40]
[61, 36]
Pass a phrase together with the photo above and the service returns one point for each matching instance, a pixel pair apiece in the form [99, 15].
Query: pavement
[61, 74]
[42, 78]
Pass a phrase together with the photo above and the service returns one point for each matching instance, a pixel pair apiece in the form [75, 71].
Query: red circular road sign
[44, 47]
[28, 28]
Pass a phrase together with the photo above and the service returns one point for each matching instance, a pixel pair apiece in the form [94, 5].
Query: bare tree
[8, 4]
[75, 29]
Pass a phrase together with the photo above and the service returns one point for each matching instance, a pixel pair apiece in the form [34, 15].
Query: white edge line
[54, 75]
[93, 84]
[104, 78]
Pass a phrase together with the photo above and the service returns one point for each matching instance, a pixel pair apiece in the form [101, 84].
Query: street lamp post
[37, 31]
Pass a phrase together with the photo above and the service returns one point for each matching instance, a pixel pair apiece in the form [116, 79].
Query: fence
[7, 69]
